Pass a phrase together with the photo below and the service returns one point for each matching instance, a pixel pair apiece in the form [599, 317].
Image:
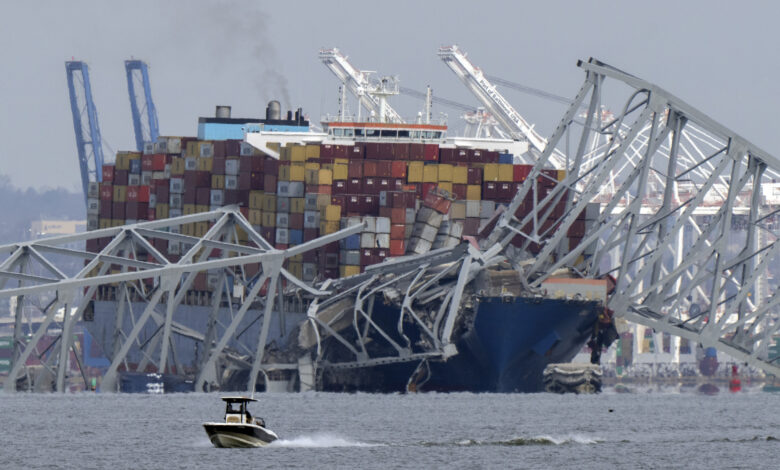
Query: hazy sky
[721, 57]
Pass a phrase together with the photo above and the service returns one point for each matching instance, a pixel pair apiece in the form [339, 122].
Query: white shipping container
[382, 225]
[473, 208]
[419, 246]
[174, 144]
[133, 180]
[383, 240]
[161, 146]
[351, 257]
[231, 182]
[282, 235]
[174, 248]
[282, 204]
[282, 188]
[487, 208]
[93, 189]
[148, 148]
[370, 224]
[282, 220]
[191, 163]
[231, 166]
[176, 186]
[296, 189]
[311, 219]
[174, 200]
[146, 178]
[160, 175]
[93, 206]
[410, 215]
[92, 222]
[217, 197]
[456, 229]
[247, 149]
[367, 240]
[152, 200]
[310, 204]
[206, 149]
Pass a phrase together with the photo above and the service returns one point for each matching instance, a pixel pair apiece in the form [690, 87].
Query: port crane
[141, 105]
[373, 96]
[85, 124]
[488, 95]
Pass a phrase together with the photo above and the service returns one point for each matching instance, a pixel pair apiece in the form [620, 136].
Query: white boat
[239, 429]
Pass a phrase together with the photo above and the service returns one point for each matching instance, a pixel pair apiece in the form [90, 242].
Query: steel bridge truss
[698, 281]
[33, 273]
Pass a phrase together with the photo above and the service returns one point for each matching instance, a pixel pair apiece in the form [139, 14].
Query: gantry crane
[85, 124]
[141, 105]
[496, 104]
[371, 96]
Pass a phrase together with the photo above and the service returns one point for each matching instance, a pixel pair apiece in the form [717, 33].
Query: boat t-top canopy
[237, 399]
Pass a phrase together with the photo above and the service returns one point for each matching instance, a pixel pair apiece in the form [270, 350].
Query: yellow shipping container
[329, 226]
[312, 165]
[561, 175]
[460, 175]
[298, 153]
[297, 258]
[117, 222]
[296, 269]
[490, 172]
[325, 177]
[256, 199]
[177, 166]
[341, 161]
[297, 172]
[340, 172]
[346, 270]
[120, 193]
[104, 223]
[202, 227]
[218, 181]
[431, 173]
[255, 217]
[284, 172]
[268, 219]
[193, 149]
[188, 209]
[240, 233]
[505, 172]
[284, 154]
[322, 201]
[161, 211]
[297, 205]
[312, 151]
[415, 172]
[332, 213]
[201, 208]
[269, 203]
[312, 176]
[445, 172]
[446, 186]
[326, 166]
[205, 163]
[474, 192]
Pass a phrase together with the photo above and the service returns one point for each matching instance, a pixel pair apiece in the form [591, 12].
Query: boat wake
[320, 440]
[534, 441]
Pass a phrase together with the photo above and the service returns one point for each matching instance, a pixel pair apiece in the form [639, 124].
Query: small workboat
[240, 429]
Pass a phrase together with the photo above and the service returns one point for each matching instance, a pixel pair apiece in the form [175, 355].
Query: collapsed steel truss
[33, 267]
[636, 236]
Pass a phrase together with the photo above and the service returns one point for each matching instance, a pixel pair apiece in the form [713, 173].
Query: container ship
[417, 192]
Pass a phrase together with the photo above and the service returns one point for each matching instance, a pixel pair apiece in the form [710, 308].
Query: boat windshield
[234, 407]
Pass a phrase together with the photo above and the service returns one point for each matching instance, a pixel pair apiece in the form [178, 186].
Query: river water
[645, 429]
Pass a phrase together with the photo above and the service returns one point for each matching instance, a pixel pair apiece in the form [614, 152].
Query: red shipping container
[490, 190]
[383, 168]
[143, 193]
[256, 180]
[132, 194]
[233, 148]
[269, 181]
[250, 163]
[397, 247]
[371, 150]
[353, 204]
[385, 184]
[105, 209]
[357, 151]
[520, 172]
[355, 169]
[386, 151]
[162, 192]
[474, 156]
[426, 188]
[398, 184]
[188, 196]
[471, 226]
[327, 151]
[401, 151]
[268, 234]
[120, 177]
[296, 221]
[271, 167]
[108, 173]
[151, 214]
[231, 196]
[203, 196]
[489, 157]
[505, 192]
[370, 169]
[459, 191]
[398, 216]
[397, 231]
[416, 152]
[366, 257]
[106, 192]
[339, 187]
[370, 204]
[398, 169]
[356, 185]
[431, 153]
[197, 179]
[322, 189]
[218, 165]
[310, 234]
[219, 148]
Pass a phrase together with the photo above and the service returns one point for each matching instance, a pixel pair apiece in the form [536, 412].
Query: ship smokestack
[223, 112]
[274, 110]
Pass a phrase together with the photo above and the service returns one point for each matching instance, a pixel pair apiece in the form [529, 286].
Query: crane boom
[486, 92]
[145, 131]
[85, 124]
[358, 84]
